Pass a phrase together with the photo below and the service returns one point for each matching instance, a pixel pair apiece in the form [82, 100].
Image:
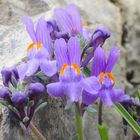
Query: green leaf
[5, 103]
[42, 105]
[20, 87]
[137, 93]
[103, 131]
[12, 88]
[90, 109]
[128, 118]
[41, 75]
[75, 137]
[13, 109]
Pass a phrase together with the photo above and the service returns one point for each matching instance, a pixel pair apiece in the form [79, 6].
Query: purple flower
[6, 76]
[5, 93]
[35, 91]
[19, 99]
[10, 75]
[52, 26]
[99, 37]
[39, 52]
[40, 36]
[102, 82]
[69, 20]
[86, 34]
[68, 59]
[54, 31]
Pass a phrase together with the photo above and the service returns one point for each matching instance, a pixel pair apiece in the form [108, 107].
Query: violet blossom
[68, 60]
[98, 39]
[68, 20]
[101, 84]
[10, 75]
[35, 91]
[39, 52]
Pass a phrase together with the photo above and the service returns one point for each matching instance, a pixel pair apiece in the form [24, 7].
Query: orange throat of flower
[107, 74]
[74, 66]
[38, 46]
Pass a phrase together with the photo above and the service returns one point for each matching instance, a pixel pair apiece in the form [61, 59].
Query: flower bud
[35, 90]
[99, 37]
[5, 93]
[19, 99]
[6, 76]
[14, 72]
[10, 75]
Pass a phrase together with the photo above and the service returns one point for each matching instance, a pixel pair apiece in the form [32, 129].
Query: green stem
[102, 128]
[79, 124]
[100, 113]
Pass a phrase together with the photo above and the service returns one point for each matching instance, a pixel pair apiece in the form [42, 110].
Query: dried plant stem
[36, 132]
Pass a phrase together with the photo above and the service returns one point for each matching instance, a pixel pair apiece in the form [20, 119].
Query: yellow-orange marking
[109, 75]
[30, 47]
[38, 45]
[76, 67]
[63, 69]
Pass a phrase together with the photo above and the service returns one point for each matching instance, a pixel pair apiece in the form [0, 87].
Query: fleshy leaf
[13, 109]
[128, 118]
[42, 105]
[5, 103]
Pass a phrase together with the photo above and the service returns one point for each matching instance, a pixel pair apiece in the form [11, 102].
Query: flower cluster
[64, 47]
[22, 103]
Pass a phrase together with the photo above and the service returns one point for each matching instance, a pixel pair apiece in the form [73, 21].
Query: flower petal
[76, 19]
[48, 67]
[73, 91]
[100, 35]
[33, 66]
[31, 54]
[112, 58]
[22, 70]
[118, 95]
[90, 84]
[60, 47]
[30, 28]
[74, 50]
[99, 62]
[6, 76]
[63, 20]
[55, 89]
[86, 34]
[88, 98]
[42, 53]
[107, 82]
[105, 96]
[43, 34]
[70, 75]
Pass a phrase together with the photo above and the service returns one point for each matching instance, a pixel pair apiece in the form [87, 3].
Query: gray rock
[131, 41]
